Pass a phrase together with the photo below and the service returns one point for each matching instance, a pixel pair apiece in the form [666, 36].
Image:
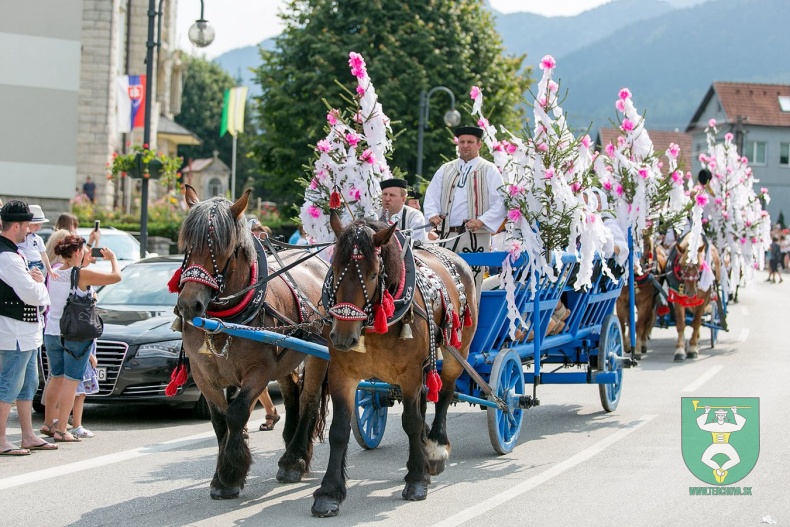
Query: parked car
[138, 350]
[125, 246]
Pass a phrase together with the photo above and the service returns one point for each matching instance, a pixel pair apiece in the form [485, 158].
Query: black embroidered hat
[15, 210]
[704, 176]
[469, 130]
[394, 182]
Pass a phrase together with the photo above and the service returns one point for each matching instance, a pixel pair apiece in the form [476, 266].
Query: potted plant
[143, 162]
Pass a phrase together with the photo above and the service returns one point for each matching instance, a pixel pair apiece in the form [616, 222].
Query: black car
[138, 350]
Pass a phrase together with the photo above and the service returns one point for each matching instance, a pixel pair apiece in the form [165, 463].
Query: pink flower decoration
[323, 146]
[643, 173]
[357, 65]
[703, 158]
[586, 141]
[763, 190]
[354, 194]
[576, 187]
[314, 211]
[482, 122]
[712, 123]
[743, 241]
[352, 138]
[619, 190]
[514, 214]
[702, 199]
[748, 223]
[360, 91]
[704, 265]
[763, 213]
[728, 137]
[624, 94]
[498, 147]
[542, 147]
[620, 105]
[331, 117]
[313, 184]
[475, 92]
[725, 215]
[677, 176]
[549, 173]
[548, 63]
[674, 150]
[368, 157]
[718, 201]
[358, 116]
[321, 175]
[543, 102]
[627, 125]
[515, 190]
[511, 148]
[712, 164]
[553, 87]
[515, 249]
[591, 218]
[609, 149]
[607, 184]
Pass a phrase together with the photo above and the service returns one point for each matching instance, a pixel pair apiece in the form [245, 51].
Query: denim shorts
[18, 375]
[68, 361]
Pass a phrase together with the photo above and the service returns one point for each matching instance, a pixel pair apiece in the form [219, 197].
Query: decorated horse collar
[253, 301]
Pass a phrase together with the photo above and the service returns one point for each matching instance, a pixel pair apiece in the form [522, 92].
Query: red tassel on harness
[388, 303]
[434, 383]
[173, 283]
[177, 378]
[662, 310]
[455, 331]
[379, 319]
[334, 200]
[467, 317]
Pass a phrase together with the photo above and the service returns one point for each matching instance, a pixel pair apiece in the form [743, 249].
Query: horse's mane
[344, 248]
[229, 232]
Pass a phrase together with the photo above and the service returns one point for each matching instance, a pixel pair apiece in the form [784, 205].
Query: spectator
[68, 359]
[22, 293]
[774, 255]
[33, 247]
[89, 188]
[67, 221]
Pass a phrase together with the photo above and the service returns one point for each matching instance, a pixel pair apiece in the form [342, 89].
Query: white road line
[525, 486]
[49, 473]
[702, 379]
[743, 335]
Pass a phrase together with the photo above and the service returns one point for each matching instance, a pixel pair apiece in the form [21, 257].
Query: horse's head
[688, 273]
[365, 262]
[215, 241]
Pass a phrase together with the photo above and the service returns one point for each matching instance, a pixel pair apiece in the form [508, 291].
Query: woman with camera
[68, 358]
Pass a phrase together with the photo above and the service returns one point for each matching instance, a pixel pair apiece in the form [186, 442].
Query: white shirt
[15, 333]
[32, 247]
[459, 209]
[617, 240]
[415, 221]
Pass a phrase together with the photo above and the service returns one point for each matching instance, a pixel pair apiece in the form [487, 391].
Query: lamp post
[201, 34]
[451, 118]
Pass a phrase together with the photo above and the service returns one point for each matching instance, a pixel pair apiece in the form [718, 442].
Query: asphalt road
[575, 464]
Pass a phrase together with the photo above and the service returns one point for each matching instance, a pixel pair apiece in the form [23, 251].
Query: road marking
[86, 464]
[702, 379]
[514, 492]
[743, 335]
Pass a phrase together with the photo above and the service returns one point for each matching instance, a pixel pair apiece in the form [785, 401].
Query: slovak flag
[131, 102]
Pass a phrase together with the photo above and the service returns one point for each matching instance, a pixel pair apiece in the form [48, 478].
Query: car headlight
[168, 349]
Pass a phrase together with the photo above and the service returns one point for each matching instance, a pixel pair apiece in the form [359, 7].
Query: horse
[223, 258]
[644, 297]
[370, 272]
[684, 291]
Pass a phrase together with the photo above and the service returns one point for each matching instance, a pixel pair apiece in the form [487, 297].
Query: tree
[201, 112]
[409, 46]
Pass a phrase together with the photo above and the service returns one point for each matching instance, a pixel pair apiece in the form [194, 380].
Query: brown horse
[221, 258]
[644, 296]
[369, 269]
[685, 294]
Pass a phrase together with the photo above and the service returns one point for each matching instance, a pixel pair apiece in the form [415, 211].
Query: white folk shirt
[408, 218]
[32, 247]
[459, 209]
[15, 333]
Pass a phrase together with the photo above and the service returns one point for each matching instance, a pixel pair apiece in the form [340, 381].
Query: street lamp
[202, 36]
[452, 118]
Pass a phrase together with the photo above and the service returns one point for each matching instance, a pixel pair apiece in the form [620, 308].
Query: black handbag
[79, 321]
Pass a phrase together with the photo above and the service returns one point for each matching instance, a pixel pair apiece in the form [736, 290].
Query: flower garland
[350, 162]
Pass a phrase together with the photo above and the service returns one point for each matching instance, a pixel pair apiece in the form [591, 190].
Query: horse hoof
[224, 493]
[680, 356]
[415, 492]
[323, 507]
[436, 466]
[289, 475]
[691, 355]
[644, 349]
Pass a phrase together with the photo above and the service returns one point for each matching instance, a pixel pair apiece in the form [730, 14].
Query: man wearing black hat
[395, 210]
[463, 200]
[22, 291]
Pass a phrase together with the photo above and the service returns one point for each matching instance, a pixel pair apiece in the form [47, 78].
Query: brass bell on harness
[405, 331]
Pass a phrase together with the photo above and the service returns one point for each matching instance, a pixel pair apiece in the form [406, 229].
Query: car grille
[110, 355]
[145, 390]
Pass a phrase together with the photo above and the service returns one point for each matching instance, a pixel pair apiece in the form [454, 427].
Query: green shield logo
[720, 437]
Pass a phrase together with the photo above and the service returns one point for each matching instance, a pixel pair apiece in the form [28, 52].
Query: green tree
[409, 46]
[201, 112]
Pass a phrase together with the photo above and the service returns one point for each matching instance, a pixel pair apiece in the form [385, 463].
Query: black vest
[11, 305]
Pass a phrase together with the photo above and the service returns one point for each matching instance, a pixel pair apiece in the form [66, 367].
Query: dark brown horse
[685, 294]
[222, 259]
[368, 271]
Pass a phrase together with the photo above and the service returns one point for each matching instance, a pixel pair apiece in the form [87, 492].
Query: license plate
[101, 373]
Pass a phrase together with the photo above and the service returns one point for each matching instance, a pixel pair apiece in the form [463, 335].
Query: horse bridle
[199, 274]
[347, 310]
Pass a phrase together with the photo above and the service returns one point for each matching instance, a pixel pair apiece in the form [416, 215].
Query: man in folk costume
[395, 210]
[463, 200]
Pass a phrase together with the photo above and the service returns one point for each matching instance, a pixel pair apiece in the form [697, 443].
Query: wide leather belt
[457, 230]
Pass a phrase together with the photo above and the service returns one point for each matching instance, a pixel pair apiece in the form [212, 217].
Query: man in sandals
[22, 292]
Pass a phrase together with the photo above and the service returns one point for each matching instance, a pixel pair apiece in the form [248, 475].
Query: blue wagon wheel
[507, 383]
[370, 417]
[610, 354]
[715, 322]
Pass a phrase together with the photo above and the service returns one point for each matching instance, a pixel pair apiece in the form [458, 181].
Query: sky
[240, 23]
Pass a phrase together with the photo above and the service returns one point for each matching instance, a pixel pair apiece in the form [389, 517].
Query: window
[756, 152]
[214, 187]
[784, 154]
[784, 103]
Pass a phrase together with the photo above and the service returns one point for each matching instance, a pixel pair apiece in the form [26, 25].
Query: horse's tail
[323, 410]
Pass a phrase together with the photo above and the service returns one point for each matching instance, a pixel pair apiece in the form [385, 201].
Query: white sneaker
[81, 431]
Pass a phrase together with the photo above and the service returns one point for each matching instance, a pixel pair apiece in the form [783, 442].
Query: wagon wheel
[610, 354]
[370, 417]
[507, 383]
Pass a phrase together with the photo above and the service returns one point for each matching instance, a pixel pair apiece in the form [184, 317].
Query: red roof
[661, 140]
[757, 103]
[197, 165]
